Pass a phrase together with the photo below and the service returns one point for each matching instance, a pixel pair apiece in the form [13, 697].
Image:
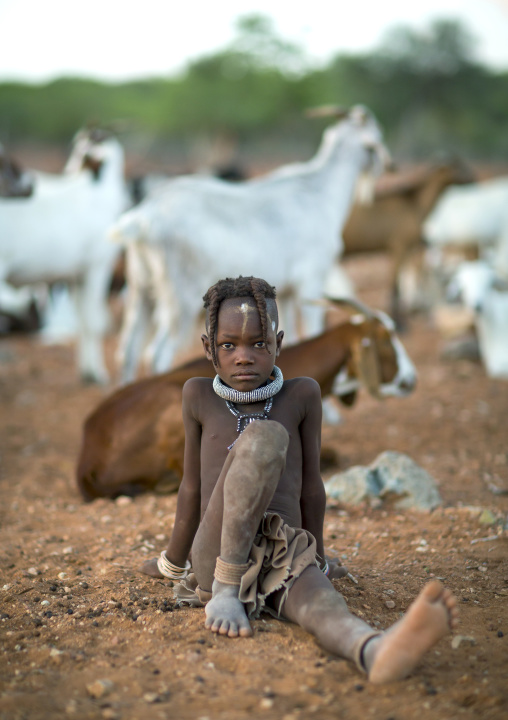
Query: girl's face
[246, 361]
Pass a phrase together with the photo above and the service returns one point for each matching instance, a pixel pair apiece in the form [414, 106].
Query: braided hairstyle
[230, 288]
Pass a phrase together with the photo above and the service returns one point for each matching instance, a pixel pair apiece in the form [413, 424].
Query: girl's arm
[188, 506]
[313, 496]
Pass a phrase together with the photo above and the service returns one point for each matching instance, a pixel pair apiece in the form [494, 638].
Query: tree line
[427, 89]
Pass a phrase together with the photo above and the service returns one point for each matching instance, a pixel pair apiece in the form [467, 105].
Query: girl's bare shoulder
[303, 386]
[197, 387]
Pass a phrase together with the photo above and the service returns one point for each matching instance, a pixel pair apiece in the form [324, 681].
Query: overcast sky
[118, 40]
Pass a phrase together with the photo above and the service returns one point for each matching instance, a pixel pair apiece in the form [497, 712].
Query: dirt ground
[84, 635]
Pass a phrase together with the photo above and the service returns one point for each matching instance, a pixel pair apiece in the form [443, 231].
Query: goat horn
[352, 303]
[327, 111]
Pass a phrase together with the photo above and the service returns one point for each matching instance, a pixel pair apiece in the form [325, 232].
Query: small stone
[459, 639]
[500, 633]
[33, 571]
[390, 604]
[62, 575]
[487, 517]
[266, 704]
[123, 500]
[110, 714]
[71, 707]
[99, 688]
[67, 550]
[56, 656]
[45, 603]
[151, 697]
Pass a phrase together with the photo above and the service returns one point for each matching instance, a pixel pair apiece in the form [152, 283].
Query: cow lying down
[133, 441]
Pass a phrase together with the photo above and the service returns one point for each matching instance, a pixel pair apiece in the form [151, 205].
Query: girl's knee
[264, 440]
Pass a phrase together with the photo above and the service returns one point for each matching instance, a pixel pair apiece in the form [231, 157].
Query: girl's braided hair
[229, 288]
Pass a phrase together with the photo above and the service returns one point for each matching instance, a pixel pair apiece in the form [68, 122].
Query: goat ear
[335, 111]
[349, 399]
[366, 364]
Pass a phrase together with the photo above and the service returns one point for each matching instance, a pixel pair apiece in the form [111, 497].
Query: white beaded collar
[251, 396]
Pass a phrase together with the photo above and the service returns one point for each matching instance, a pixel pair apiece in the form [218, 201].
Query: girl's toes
[224, 627]
[245, 630]
[233, 630]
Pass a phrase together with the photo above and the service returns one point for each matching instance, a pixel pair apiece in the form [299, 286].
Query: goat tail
[128, 228]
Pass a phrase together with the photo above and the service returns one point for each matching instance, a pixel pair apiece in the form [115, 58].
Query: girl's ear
[279, 337]
[206, 346]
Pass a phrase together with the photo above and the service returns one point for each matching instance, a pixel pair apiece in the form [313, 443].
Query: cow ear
[367, 365]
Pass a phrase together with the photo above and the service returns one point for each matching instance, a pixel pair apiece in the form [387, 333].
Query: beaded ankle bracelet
[169, 570]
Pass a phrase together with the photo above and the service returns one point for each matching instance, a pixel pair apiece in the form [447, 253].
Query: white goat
[285, 227]
[473, 214]
[59, 234]
[14, 181]
[487, 295]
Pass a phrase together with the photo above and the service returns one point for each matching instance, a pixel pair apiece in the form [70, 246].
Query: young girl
[251, 503]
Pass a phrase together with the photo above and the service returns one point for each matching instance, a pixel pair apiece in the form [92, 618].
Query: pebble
[123, 500]
[487, 517]
[67, 550]
[390, 604]
[33, 571]
[62, 575]
[110, 714]
[99, 688]
[151, 697]
[56, 656]
[266, 704]
[45, 603]
[459, 639]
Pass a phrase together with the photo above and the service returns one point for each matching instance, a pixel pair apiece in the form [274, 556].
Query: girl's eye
[261, 344]
[227, 346]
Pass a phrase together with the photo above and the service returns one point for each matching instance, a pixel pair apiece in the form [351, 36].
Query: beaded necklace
[246, 419]
[266, 392]
[261, 393]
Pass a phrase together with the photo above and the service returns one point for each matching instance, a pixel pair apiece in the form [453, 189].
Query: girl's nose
[243, 356]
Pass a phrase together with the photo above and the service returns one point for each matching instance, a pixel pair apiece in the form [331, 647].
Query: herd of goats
[445, 232]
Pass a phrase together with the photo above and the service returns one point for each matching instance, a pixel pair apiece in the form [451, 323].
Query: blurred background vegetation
[246, 102]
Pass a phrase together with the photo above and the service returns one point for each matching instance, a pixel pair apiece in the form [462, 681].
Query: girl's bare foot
[225, 613]
[395, 654]
[150, 568]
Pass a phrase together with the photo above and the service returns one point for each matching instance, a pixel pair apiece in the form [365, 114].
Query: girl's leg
[242, 494]
[313, 603]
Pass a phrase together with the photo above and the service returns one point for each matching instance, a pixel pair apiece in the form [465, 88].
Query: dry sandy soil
[84, 635]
